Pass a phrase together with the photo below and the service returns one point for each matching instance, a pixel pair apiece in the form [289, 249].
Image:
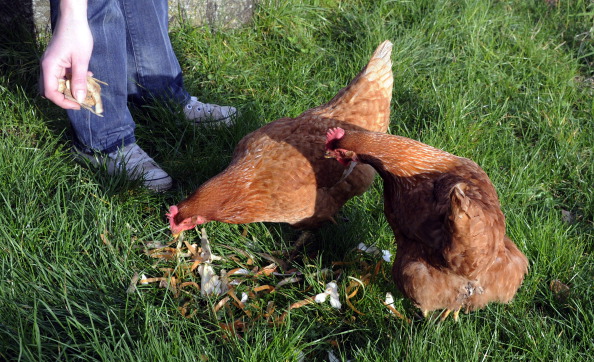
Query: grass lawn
[508, 84]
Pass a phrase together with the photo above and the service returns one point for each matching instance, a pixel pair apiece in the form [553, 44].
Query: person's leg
[152, 64]
[108, 64]
[154, 67]
[110, 140]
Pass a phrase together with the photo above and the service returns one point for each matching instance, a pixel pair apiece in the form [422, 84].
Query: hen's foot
[447, 312]
[306, 237]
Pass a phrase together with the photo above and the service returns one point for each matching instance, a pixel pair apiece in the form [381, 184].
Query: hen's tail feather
[380, 61]
[365, 101]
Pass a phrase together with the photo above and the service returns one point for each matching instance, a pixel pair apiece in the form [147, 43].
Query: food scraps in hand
[93, 98]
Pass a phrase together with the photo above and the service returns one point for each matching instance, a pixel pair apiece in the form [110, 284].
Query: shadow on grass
[20, 51]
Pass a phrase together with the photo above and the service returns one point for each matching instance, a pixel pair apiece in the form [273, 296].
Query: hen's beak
[177, 235]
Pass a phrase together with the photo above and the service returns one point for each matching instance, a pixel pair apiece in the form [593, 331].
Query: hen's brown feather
[279, 173]
[447, 221]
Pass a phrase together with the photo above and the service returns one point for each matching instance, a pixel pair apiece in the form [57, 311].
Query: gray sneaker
[211, 114]
[136, 163]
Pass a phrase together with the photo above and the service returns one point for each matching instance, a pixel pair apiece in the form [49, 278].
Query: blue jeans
[132, 53]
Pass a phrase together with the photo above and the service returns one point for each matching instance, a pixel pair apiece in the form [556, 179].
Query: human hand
[69, 51]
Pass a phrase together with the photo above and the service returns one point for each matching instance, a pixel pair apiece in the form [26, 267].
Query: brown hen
[452, 251]
[278, 173]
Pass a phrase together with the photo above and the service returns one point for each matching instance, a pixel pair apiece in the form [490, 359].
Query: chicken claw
[447, 312]
[93, 98]
[456, 315]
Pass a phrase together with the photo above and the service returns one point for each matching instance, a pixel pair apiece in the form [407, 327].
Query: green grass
[506, 83]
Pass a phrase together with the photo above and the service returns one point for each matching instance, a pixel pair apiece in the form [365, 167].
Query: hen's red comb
[334, 134]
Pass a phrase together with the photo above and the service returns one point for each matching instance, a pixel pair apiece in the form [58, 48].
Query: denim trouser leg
[133, 54]
[151, 60]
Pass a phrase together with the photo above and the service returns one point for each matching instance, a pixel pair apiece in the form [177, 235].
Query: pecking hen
[452, 251]
[278, 173]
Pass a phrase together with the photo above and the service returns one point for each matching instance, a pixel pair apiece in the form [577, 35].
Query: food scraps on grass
[389, 302]
[206, 254]
[332, 292]
[210, 283]
[132, 286]
[194, 260]
[385, 254]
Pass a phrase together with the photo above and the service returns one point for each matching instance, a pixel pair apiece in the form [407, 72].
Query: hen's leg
[306, 237]
[447, 312]
[457, 314]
